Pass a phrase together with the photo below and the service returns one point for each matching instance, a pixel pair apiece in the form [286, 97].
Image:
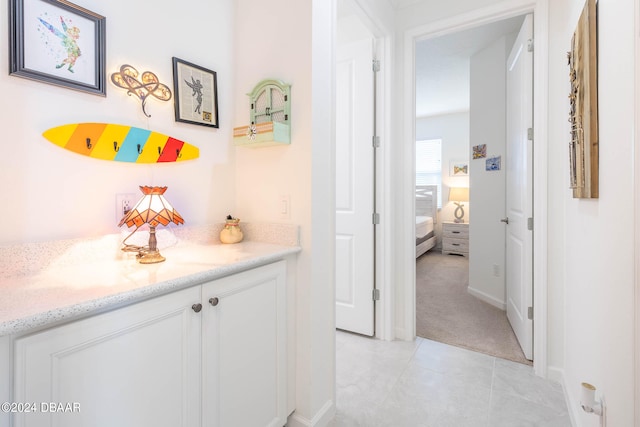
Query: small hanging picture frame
[494, 163]
[459, 168]
[195, 90]
[59, 43]
[480, 151]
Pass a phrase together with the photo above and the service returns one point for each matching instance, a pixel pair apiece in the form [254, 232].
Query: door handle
[505, 220]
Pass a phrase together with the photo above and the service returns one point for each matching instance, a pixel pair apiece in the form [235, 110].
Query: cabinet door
[135, 366]
[244, 349]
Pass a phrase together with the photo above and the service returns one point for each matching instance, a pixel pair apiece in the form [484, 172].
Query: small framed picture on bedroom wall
[459, 168]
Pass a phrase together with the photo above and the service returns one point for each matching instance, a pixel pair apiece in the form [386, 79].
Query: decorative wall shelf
[270, 116]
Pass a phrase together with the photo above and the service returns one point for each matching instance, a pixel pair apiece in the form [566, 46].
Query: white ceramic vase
[231, 232]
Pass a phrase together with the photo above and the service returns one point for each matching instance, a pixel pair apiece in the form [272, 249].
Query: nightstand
[455, 238]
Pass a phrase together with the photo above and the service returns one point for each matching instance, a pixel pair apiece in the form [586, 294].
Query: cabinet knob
[214, 301]
[197, 307]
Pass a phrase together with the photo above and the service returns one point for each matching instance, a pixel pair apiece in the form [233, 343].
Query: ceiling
[442, 66]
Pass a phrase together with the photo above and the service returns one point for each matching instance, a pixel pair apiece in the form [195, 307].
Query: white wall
[79, 192]
[453, 130]
[296, 47]
[593, 239]
[487, 189]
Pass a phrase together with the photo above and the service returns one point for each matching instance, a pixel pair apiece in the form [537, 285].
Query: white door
[519, 197]
[354, 188]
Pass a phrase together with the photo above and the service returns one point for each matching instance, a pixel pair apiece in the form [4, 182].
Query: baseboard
[557, 375]
[401, 335]
[398, 333]
[487, 298]
[320, 419]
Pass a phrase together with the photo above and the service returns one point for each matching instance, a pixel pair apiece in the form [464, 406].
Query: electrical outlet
[124, 203]
[284, 206]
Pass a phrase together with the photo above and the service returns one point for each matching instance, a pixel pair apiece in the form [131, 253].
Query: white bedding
[424, 226]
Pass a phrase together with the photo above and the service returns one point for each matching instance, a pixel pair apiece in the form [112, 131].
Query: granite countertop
[78, 278]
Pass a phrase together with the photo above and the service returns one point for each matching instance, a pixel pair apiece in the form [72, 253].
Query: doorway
[461, 82]
[406, 308]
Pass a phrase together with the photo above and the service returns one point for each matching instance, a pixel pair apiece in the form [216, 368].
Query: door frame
[636, 184]
[503, 10]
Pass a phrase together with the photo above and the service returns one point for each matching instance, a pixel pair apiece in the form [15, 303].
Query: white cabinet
[244, 349]
[139, 365]
[165, 361]
[455, 238]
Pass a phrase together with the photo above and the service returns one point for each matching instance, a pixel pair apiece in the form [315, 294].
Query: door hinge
[376, 65]
[530, 224]
[530, 134]
[530, 45]
[376, 294]
[376, 141]
[530, 313]
[375, 218]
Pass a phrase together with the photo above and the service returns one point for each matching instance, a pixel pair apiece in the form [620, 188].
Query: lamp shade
[152, 209]
[459, 194]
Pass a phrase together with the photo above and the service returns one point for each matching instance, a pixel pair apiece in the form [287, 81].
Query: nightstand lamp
[457, 195]
[152, 209]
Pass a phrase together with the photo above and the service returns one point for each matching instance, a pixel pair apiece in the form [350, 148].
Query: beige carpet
[447, 313]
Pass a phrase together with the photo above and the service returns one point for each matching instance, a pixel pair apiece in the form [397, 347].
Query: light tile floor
[426, 383]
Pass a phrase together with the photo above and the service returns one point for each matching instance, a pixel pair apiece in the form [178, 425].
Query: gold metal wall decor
[148, 85]
[583, 115]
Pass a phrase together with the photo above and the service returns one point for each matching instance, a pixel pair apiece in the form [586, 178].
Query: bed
[426, 215]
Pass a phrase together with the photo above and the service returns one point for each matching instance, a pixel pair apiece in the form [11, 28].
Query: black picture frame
[195, 94]
[58, 42]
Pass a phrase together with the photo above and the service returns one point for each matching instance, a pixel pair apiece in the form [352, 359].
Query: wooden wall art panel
[583, 72]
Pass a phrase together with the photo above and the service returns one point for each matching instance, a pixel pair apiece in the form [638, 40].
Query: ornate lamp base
[458, 213]
[145, 257]
[152, 254]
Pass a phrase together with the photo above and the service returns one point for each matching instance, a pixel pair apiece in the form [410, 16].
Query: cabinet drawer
[455, 245]
[458, 231]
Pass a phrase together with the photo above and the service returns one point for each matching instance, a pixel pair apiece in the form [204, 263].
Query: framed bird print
[195, 92]
[57, 42]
